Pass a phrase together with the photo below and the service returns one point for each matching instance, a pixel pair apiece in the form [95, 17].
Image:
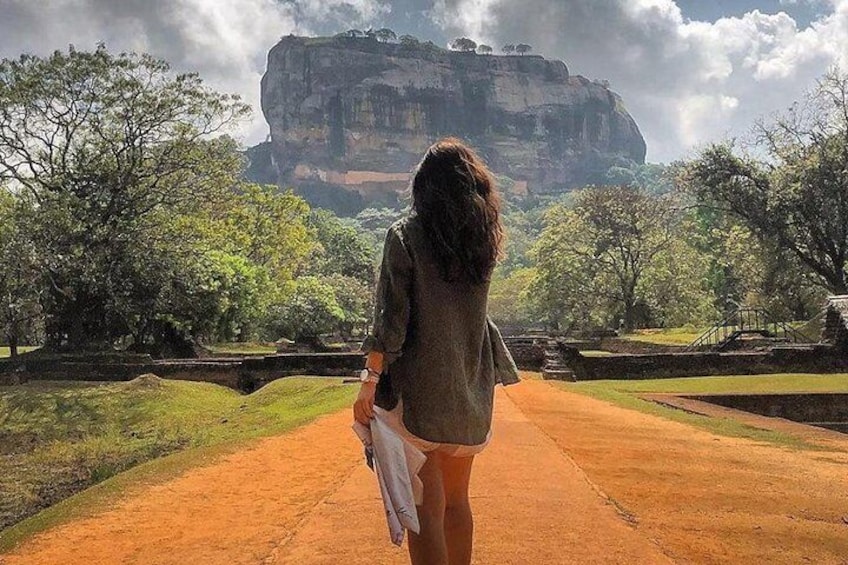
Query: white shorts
[395, 420]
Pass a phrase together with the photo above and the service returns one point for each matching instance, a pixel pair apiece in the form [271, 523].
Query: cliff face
[358, 114]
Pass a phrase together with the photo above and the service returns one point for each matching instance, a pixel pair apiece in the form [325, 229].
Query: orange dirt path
[705, 498]
[307, 497]
[567, 479]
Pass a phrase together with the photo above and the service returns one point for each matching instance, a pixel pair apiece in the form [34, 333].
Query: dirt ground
[567, 479]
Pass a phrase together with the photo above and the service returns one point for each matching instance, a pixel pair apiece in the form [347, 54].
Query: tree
[523, 48]
[311, 311]
[654, 178]
[270, 228]
[409, 40]
[484, 49]
[113, 150]
[797, 197]
[508, 49]
[372, 223]
[510, 301]
[355, 298]
[385, 35]
[592, 260]
[20, 308]
[352, 33]
[463, 44]
[239, 258]
[342, 250]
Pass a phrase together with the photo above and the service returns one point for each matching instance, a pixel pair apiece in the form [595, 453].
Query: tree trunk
[840, 286]
[13, 344]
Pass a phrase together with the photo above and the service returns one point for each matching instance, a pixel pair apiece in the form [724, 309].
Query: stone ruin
[835, 330]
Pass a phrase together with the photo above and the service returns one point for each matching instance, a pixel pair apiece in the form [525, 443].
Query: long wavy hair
[455, 196]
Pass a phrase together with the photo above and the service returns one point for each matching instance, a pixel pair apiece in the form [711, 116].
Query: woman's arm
[363, 408]
[391, 316]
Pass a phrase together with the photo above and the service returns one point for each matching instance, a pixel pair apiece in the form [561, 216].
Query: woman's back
[445, 373]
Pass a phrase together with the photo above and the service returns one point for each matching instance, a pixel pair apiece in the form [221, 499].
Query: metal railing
[746, 321]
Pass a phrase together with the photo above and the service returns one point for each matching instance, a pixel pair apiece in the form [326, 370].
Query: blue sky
[690, 71]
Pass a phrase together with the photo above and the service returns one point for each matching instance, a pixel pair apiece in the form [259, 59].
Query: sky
[691, 72]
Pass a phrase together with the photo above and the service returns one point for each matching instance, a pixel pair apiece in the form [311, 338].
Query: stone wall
[528, 353]
[622, 345]
[813, 408]
[835, 330]
[816, 359]
[245, 374]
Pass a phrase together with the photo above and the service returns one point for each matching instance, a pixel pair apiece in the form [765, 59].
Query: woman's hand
[363, 408]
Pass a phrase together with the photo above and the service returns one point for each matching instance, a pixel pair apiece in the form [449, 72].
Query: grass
[595, 353]
[246, 348]
[667, 336]
[6, 352]
[58, 439]
[625, 394]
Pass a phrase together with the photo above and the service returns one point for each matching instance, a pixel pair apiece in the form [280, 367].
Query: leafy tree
[523, 48]
[508, 49]
[511, 303]
[355, 298]
[311, 311]
[592, 260]
[741, 270]
[271, 228]
[463, 44]
[113, 150]
[484, 49]
[342, 249]
[654, 178]
[352, 33]
[385, 35]
[797, 196]
[372, 223]
[20, 309]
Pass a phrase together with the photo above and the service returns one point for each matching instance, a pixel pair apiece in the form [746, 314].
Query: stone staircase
[555, 368]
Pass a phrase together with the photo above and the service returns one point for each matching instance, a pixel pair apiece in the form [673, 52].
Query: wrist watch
[369, 376]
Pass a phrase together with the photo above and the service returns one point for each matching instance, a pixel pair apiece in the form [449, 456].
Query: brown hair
[455, 196]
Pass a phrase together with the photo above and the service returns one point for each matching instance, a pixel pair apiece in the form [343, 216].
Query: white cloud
[226, 42]
[685, 82]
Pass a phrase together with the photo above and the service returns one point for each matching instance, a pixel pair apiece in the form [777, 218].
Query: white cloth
[396, 463]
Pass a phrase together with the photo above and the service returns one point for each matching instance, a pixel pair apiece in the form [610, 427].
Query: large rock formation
[356, 114]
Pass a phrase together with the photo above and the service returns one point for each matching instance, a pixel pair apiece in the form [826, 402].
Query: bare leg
[459, 524]
[428, 547]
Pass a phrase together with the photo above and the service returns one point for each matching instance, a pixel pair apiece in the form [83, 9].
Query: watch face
[363, 375]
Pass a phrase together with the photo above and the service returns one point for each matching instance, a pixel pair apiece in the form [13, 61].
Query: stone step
[558, 375]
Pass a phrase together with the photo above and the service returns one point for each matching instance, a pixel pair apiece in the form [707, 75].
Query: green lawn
[5, 352]
[625, 394]
[595, 353]
[667, 336]
[57, 439]
[247, 348]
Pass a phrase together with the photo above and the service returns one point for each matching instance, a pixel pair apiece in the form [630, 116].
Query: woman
[433, 356]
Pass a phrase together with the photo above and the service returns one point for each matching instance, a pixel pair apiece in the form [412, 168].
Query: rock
[356, 115]
[147, 380]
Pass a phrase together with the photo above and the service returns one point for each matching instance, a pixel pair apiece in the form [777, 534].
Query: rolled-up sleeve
[392, 301]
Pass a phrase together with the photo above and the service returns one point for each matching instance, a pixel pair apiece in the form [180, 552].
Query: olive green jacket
[443, 354]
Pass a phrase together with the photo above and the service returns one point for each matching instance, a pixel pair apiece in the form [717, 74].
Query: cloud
[686, 82]
[226, 42]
